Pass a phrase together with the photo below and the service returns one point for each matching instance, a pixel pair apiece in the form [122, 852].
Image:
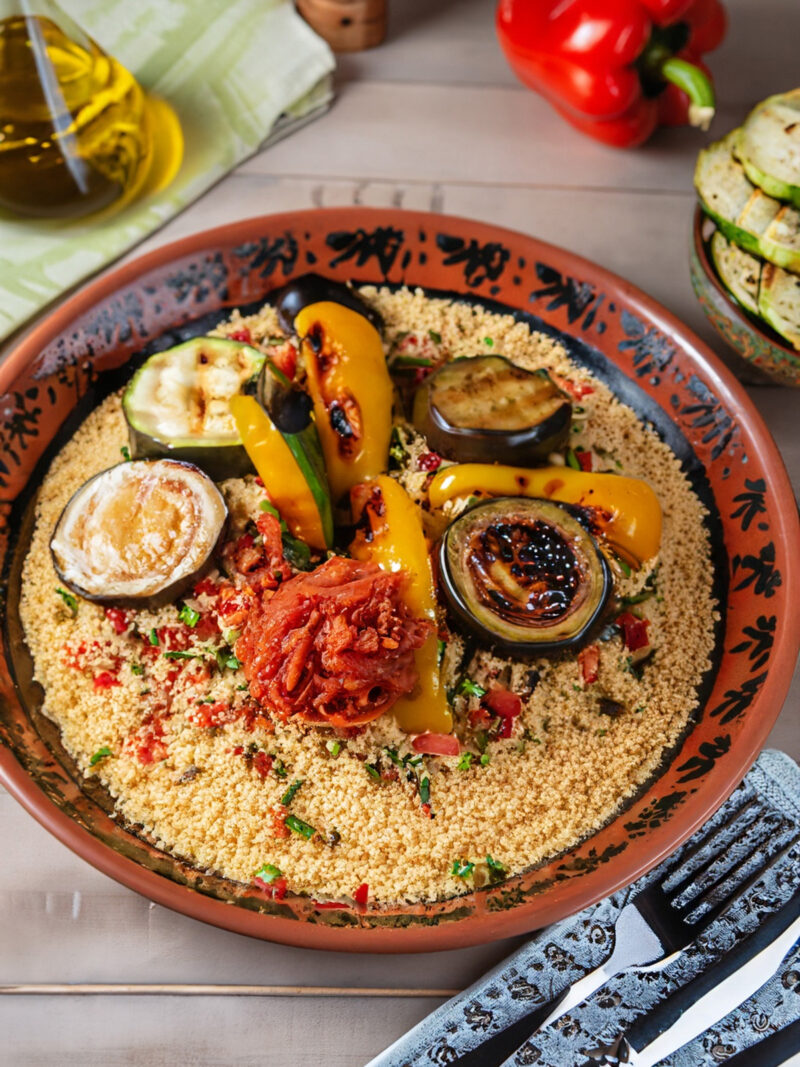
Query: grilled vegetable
[314, 289]
[625, 511]
[524, 575]
[292, 475]
[768, 146]
[349, 384]
[744, 214]
[779, 302]
[177, 404]
[738, 271]
[390, 534]
[139, 534]
[487, 409]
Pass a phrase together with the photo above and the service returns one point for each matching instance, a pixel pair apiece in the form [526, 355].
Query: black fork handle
[496, 1049]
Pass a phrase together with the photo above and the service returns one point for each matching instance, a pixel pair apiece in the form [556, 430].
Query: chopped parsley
[268, 872]
[189, 616]
[182, 655]
[304, 829]
[623, 566]
[435, 336]
[485, 758]
[101, 754]
[279, 767]
[397, 451]
[154, 636]
[242, 688]
[497, 870]
[265, 505]
[297, 552]
[373, 771]
[489, 341]
[465, 761]
[462, 868]
[126, 453]
[137, 668]
[470, 688]
[440, 651]
[334, 747]
[70, 601]
[291, 792]
[424, 790]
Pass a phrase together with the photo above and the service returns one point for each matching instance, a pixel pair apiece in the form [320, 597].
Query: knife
[710, 996]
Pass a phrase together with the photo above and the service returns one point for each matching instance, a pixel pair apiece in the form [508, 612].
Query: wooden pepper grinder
[347, 25]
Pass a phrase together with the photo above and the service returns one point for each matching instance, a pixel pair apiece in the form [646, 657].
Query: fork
[650, 932]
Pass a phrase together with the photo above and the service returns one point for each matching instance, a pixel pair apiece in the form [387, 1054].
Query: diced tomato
[276, 889]
[437, 744]
[585, 460]
[106, 680]
[242, 335]
[328, 905]
[285, 359]
[426, 811]
[429, 461]
[118, 619]
[259, 480]
[262, 763]
[208, 716]
[479, 718]
[577, 390]
[237, 750]
[589, 659]
[361, 895]
[147, 743]
[278, 817]
[74, 657]
[206, 587]
[206, 629]
[503, 702]
[634, 631]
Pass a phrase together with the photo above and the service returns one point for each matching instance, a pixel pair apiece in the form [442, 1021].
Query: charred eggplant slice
[139, 534]
[487, 409]
[314, 289]
[524, 575]
[178, 404]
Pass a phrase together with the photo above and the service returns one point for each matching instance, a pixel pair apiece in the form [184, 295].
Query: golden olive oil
[76, 128]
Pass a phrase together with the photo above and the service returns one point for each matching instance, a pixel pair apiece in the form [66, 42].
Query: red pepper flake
[589, 659]
[118, 619]
[242, 335]
[429, 461]
[262, 762]
[634, 631]
[106, 680]
[361, 895]
[585, 460]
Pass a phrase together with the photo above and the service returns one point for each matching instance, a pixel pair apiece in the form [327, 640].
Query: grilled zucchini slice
[746, 215]
[739, 271]
[768, 146]
[779, 302]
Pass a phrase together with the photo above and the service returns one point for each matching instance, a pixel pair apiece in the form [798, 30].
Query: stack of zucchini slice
[749, 185]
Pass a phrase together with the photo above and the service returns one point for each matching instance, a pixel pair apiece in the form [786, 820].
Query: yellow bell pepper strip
[349, 384]
[391, 536]
[624, 510]
[283, 478]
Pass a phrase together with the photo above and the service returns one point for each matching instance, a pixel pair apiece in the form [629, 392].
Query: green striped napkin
[238, 73]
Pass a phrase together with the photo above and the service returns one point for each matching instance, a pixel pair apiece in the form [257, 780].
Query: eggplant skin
[455, 587]
[171, 591]
[485, 443]
[314, 289]
[217, 461]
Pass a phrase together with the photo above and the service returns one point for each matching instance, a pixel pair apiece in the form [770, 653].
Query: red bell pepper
[616, 69]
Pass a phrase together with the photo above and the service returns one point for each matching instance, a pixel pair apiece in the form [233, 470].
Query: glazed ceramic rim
[481, 926]
[737, 312]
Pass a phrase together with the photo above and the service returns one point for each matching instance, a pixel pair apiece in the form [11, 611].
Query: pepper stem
[697, 86]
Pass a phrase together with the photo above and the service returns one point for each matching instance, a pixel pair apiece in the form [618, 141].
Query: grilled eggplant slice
[139, 534]
[746, 215]
[779, 302]
[738, 271]
[524, 576]
[315, 289]
[177, 404]
[487, 409]
[768, 146]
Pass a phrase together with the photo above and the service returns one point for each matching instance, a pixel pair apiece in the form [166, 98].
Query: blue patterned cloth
[559, 955]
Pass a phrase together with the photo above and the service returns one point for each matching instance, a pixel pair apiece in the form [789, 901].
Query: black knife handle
[497, 1049]
[772, 1051]
[663, 1015]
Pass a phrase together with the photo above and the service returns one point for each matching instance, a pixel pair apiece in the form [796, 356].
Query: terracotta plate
[89, 345]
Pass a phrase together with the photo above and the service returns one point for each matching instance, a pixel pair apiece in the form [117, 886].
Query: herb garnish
[424, 790]
[297, 552]
[435, 336]
[101, 754]
[334, 747]
[497, 870]
[441, 646]
[137, 668]
[69, 600]
[154, 636]
[462, 868]
[182, 655]
[372, 771]
[465, 762]
[470, 688]
[623, 566]
[572, 460]
[126, 453]
[304, 829]
[291, 792]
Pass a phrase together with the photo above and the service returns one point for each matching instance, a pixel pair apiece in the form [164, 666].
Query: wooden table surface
[432, 120]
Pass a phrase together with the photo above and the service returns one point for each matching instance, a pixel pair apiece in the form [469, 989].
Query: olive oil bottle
[77, 132]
